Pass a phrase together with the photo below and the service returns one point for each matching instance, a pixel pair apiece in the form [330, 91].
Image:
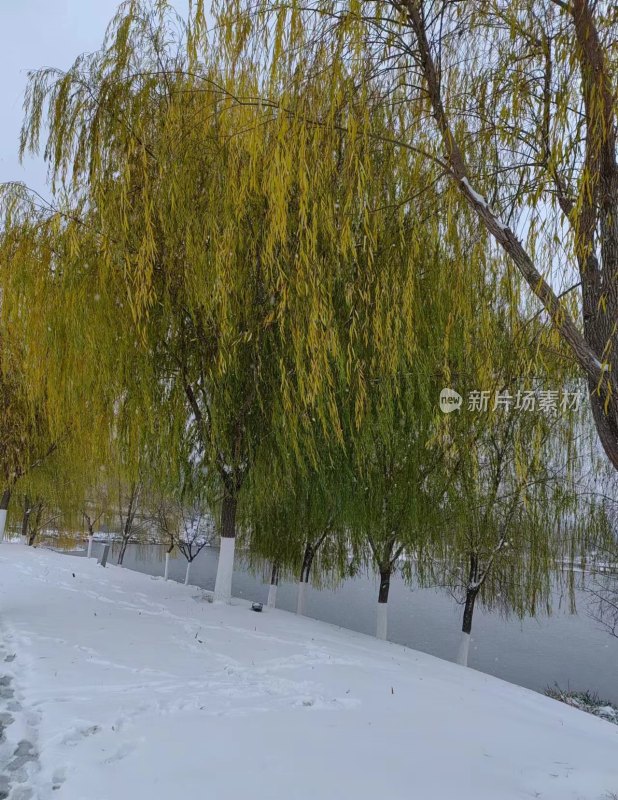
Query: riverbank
[120, 685]
[569, 650]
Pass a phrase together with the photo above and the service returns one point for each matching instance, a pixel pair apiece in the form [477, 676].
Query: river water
[570, 650]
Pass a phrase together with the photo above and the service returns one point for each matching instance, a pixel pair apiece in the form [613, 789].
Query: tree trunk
[305, 571]
[382, 618]
[300, 600]
[187, 573]
[123, 550]
[127, 527]
[272, 589]
[25, 520]
[90, 525]
[34, 532]
[225, 567]
[167, 566]
[466, 628]
[4, 507]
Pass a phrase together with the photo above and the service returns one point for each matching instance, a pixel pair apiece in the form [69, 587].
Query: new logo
[450, 400]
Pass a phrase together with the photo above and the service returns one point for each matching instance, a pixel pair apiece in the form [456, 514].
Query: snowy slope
[125, 686]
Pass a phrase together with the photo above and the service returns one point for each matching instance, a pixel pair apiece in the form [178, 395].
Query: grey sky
[37, 33]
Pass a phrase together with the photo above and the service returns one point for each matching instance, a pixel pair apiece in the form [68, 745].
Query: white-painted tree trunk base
[272, 595]
[167, 566]
[89, 553]
[2, 522]
[225, 569]
[464, 647]
[382, 621]
[302, 597]
[187, 573]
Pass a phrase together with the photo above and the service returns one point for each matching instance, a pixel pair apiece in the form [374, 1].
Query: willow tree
[96, 508]
[25, 438]
[395, 493]
[511, 514]
[294, 517]
[210, 244]
[513, 453]
[506, 111]
[163, 223]
[397, 482]
[15, 420]
[399, 479]
[52, 495]
[69, 417]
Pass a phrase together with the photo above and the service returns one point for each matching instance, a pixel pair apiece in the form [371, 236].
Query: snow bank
[119, 685]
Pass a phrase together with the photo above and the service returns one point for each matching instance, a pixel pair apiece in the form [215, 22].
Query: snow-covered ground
[116, 685]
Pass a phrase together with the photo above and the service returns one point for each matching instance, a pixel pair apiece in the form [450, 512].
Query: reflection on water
[567, 649]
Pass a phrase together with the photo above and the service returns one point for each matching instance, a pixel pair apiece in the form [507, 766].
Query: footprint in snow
[6, 692]
[5, 720]
[122, 752]
[58, 778]
[18, 759]
[24, 753]
[75, 736]
[22, 793]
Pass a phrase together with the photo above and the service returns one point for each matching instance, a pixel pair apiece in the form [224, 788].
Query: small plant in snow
[585, 701]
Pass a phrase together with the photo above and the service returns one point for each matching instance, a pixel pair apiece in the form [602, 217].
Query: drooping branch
[500, 232]
[598, 374]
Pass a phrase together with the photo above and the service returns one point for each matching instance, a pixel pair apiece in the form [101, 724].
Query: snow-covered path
[117, 685]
